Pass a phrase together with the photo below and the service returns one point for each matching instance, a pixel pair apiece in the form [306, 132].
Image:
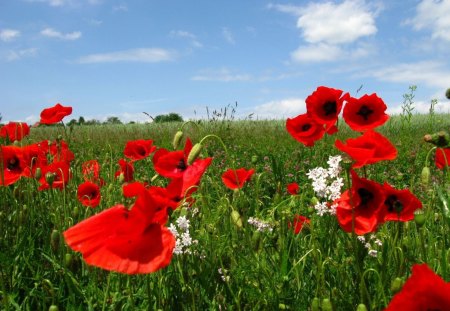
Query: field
[230, 265]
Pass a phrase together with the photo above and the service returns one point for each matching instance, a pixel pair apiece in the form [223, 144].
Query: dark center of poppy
[306, 127]
[365, 195]
[330, 107]
[13, 164]
[365, 112]
[393, 204]
[141, 151]
[181, 165]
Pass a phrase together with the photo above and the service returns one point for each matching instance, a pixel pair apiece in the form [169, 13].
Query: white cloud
[280, 109]
[19, 54]
[228, 35]
[223, 74]
[187, 35]
[144, 55]
[336, 23]
[9, 34]
[434, 15]
[430, 73]
[52, 33]
[316, 53]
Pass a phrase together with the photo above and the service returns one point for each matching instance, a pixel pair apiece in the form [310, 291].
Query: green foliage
[408, 107]
[171, 117]
[319, 268]
[113, 120]
[447, 93]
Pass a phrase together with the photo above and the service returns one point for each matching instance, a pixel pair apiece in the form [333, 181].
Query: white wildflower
[260, 224]
[183, 223]
[373, 253]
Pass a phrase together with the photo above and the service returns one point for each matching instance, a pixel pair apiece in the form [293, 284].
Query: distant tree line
[171, 117]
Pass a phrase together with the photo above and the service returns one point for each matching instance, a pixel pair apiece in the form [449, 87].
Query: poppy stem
[105, 297]
[189, 122]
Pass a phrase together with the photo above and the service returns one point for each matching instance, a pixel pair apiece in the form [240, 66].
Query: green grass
[263, 270]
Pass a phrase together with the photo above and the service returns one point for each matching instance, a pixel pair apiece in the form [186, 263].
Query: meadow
[230, 264]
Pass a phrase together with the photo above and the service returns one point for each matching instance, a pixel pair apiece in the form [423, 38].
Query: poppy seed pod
[177, 139]
[195, 152]
[53, 308]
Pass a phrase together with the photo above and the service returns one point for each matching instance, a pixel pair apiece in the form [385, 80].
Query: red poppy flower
[324, 105]
[14, 165]
[399, 204]
[172, 164]
[61, 152]
[424, 290]
[235, 179]
[89, 194]
[305, 129]
[54, 114]
[126, 170]
[299, 222]
[15, 131]
[35, 155]
[130, 241]
[365, 202]
[139, 149]
[55, 175]
[365, 113]
[369, 148]
[442, 157]
[293, 188]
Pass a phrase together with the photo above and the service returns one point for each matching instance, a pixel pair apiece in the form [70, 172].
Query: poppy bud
[419, 219]
[315, 304]
[361, 307]
[177, 139]
[447, 93]
[38, 173]
[425, 176]
[76, 211]
[59, 138]
[326, 305]
[53, 308]
[121, 178]
[396, 285]
[195, 152]
[282, 306]
[68, 260]
[54, 240]
[50, 178]
[254, 159]
[236, 218]
[16, 143]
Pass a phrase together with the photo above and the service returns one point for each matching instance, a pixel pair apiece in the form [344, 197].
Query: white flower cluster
[327, 185]
[368, 244]
[223, 274]
[182, 236]
[260, 225]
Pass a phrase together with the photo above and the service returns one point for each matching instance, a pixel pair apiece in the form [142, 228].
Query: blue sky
[120, 58]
